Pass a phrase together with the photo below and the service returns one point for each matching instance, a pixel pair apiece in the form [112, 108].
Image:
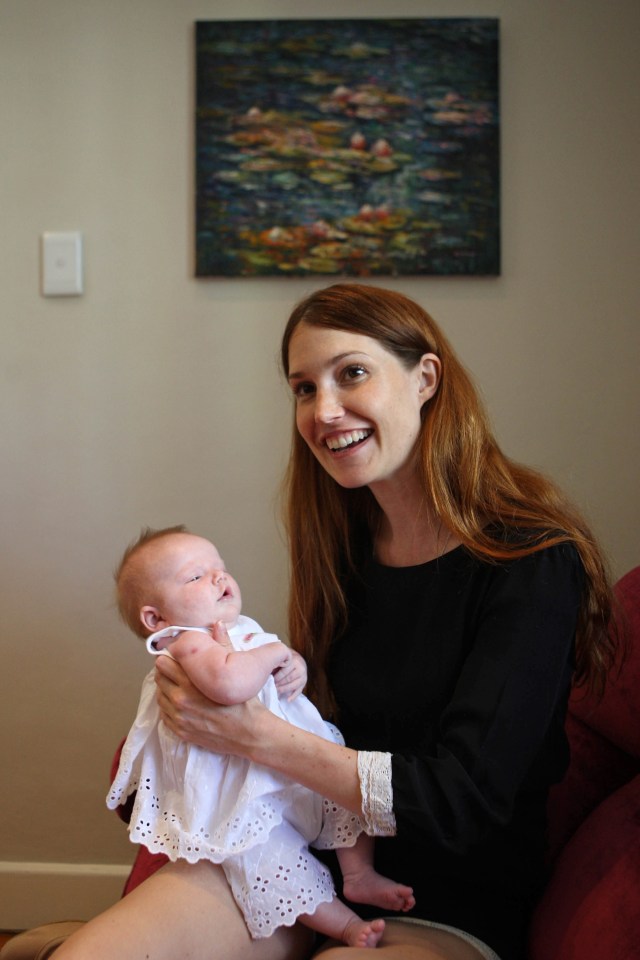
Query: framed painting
[365, 147]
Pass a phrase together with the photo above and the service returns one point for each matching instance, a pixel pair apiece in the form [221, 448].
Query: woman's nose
[327, 406]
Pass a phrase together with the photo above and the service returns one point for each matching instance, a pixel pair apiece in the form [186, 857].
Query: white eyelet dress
[192, 805]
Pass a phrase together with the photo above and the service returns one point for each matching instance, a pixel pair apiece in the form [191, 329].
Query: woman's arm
[249, 730]
[223, 674]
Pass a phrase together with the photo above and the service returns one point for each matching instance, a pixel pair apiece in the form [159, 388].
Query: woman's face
[357, 406]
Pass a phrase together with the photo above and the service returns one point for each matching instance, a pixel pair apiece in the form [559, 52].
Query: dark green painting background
[353, 147]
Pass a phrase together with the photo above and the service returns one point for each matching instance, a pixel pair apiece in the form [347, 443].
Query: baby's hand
[291, 678]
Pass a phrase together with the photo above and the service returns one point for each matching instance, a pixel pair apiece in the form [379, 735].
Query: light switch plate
[62, 264]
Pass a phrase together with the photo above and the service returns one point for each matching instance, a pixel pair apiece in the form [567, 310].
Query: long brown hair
[475, 490]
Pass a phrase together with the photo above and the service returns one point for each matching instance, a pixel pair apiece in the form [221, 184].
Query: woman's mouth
[346, 440]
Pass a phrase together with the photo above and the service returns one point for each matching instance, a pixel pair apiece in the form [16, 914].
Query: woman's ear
[430, 369]
[151, 618]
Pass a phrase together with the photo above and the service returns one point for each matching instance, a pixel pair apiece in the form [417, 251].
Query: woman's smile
[348, 440]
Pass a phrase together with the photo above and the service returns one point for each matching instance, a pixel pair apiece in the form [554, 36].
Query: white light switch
[61, 264]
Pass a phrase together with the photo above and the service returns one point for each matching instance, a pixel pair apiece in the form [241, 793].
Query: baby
[191, 804]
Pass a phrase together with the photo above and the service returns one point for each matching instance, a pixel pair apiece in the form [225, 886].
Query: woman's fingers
[169, 668]
[179, 701]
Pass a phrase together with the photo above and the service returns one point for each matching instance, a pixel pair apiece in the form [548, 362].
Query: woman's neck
[409, 531]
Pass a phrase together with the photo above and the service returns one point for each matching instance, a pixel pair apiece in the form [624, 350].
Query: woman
[444, 598]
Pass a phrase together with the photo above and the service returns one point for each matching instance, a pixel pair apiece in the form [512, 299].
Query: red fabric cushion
[591, 907]
[617, 715]
[604, 736]
[597, 769]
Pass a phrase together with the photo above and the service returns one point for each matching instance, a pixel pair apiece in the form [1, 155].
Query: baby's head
[171, 577]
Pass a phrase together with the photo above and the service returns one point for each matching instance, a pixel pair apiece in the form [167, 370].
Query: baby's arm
[223, 674]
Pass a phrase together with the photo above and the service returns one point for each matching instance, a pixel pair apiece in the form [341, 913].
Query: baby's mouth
[225, 593]
[345, 440]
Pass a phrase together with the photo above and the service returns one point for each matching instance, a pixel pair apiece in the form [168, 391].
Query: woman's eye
[354, 372]
[302, 389]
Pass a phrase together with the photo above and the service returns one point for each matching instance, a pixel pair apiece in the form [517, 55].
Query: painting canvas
[362, 148]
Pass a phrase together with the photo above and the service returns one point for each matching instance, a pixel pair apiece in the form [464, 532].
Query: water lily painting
[362, 148]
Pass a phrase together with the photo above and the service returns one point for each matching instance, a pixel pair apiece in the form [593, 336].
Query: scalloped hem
[179, 847]
[258, 933]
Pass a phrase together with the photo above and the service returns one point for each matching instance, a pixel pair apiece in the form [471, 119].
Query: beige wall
[155, 398]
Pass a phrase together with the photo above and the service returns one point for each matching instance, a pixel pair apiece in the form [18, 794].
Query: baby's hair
[127, 576]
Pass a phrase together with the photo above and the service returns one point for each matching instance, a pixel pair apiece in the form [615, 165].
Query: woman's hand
[196, 719]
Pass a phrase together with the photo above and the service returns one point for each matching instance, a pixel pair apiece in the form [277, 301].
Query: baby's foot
[363, 933]
[371, 887]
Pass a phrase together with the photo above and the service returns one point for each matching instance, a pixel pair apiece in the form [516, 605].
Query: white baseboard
[36, 893]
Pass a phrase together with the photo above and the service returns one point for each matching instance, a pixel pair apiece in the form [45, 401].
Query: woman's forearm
[321, 765]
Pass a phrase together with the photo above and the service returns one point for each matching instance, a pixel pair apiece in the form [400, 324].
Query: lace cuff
[374, 771]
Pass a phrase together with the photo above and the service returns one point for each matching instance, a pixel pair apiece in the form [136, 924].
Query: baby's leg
[337, 921]
[362, 884]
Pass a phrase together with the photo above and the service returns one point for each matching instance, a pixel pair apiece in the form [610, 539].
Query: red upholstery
[616, 715]
[590, 909]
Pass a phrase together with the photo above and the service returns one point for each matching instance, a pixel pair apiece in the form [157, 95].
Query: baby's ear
[151, 618]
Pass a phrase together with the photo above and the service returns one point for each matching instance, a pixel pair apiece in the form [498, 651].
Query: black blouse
[461, 669]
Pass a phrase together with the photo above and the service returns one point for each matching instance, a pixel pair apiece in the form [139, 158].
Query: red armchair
[590, 909]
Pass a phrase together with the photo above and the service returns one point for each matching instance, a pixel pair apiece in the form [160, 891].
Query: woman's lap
[188, 910]
[407, 941]
[182, 910]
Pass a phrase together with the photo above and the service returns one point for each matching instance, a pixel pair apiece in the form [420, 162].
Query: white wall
[155, 398]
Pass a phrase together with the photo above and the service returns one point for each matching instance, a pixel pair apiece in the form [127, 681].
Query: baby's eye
[197, 576]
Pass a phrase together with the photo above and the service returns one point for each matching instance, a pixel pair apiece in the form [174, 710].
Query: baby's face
[189, 584]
